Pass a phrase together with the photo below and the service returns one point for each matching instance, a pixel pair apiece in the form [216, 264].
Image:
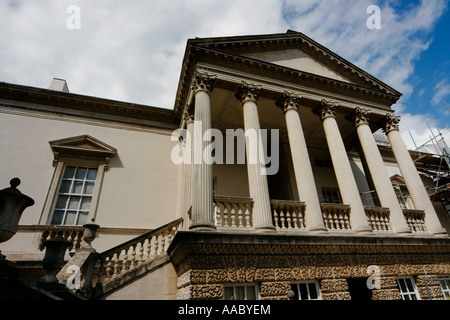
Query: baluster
[116, 264]
[240, 215]
[301, 216]
[247, 216]
[376, 221]
[161, 244]
[370, 219]
[275, 216]
[125, 266]
[288, 217]
[226, 211]
[295, 216]
[154, 246]
[335, 218]
[325, 218]
[382, 222]
[387, 222]
[138, 252]
[133, 256]
[234, 210]
[108, 268]
[347, 219]
[219, 214]
[282, 217]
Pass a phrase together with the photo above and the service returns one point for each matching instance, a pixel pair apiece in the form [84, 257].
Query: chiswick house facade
[265, 181]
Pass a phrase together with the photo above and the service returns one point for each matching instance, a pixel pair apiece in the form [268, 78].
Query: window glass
[408, 289]
[306, 290]
[74, 197]
[240, 292]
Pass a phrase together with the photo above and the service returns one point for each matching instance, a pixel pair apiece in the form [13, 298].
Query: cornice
[188, 243]
[34, 98]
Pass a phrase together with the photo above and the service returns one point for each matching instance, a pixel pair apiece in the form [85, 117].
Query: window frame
[414, 292]
[331, 190]
[445, 292]
[80, 151]
[70, 194]
[245, 286]
[307, 283]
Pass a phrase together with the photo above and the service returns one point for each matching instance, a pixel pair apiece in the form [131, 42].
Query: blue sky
[433, 68]
[132, 51]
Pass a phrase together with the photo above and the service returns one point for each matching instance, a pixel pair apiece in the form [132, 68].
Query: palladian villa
[279, 173]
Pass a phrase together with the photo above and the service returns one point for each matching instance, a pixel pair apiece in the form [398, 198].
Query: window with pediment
[80, 163]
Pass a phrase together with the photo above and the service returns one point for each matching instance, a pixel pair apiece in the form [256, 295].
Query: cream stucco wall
[136, 191]
[160, 284]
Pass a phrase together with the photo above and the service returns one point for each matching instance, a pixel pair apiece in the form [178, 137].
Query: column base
[404, 232]
[265, 229]
[202, 227]
[363, 230]
[318, 230]
[439, 232]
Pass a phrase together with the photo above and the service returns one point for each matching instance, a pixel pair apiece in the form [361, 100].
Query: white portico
[243, 84]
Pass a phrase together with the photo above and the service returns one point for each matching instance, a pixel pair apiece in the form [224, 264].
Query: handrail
[140, 238]
[117, 265]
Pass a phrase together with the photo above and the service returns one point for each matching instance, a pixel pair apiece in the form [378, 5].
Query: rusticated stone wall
[205, 268]
[203, 277]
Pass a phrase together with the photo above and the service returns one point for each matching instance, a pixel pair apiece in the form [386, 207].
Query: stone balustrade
[336, 217]
[415, 219]
[288, 215]
[129, 256]
[378, 218]
[73, 234]
[233, 212]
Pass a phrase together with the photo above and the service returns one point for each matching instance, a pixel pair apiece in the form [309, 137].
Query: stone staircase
[94, 275]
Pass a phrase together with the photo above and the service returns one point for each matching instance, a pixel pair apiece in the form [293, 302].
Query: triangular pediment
[289, 57]
[83, 144]
[298, 60]
[296, 51]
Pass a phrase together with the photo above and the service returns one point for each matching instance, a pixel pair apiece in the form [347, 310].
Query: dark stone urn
[12, 205]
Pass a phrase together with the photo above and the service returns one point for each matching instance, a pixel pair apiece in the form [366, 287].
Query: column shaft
[304, 177]
[412, 179]
[341, 164]
[188, 157]
[202, 215]
[257, 179]
[378, 172]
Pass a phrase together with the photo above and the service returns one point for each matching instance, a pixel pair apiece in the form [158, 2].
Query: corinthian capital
[288, 101]
[360, 116]
[248, 92]
[203, 82]
[390, 122]
[326, 109]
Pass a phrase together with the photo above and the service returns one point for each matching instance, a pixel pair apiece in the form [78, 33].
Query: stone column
[188, 155]
[341, 164]
[202, 215]
[257, 179]
[304, 177]
[378, 172]
[412, 179]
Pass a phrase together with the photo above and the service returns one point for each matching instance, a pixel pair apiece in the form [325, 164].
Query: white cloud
[133, 51]
[441, 90]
